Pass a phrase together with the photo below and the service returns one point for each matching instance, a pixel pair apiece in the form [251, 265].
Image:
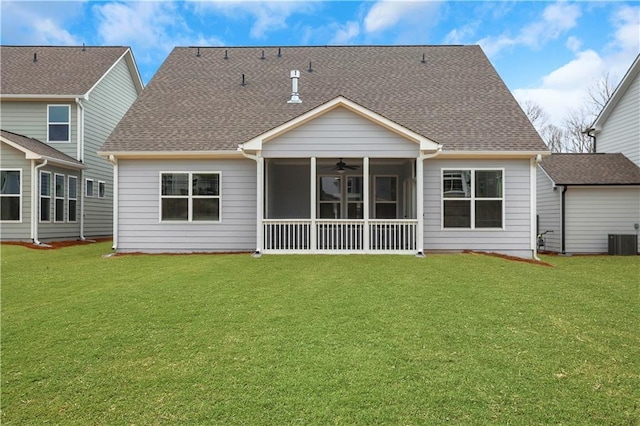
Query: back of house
[58, 106]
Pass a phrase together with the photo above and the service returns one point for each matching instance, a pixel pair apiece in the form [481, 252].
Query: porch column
[259, 201]
[420, 204]
[365, 203]
[313, 205]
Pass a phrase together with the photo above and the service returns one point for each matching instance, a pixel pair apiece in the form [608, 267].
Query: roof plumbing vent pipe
[295, 99]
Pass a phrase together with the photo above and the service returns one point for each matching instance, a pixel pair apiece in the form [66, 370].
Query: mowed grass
[231, 339]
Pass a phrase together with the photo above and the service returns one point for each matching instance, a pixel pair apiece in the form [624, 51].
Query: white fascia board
[30, 155]
[492, 154]
[65, 164]
[553, 183]
[137, 83]
[10, 97]
[171, 154]
[255, 144]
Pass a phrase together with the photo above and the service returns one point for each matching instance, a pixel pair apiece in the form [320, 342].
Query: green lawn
[230, 339]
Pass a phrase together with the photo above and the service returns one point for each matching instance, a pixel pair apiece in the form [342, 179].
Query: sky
[547, 52]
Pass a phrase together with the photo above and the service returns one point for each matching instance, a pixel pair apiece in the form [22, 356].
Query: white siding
[139, 227]
[594, 212]
[549, 211]
[340, 133]
[30, 119]
[621, 130]
[514, 239]
[107, 103]
[11, 158]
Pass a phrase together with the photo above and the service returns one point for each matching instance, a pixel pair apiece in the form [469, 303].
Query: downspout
[80, 154]
[563, 218]
[113, 160]
[420, 197]
[534, 206]
[259, 208]
[35, 217]
[593, 138]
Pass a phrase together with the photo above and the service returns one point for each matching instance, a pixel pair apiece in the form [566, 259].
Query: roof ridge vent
[295, 99]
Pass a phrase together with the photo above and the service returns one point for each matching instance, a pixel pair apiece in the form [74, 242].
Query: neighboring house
[584, 198]
[58, 105]
[333, 149]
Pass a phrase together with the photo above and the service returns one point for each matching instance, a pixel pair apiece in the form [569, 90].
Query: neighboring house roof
[32, 71]
[618, 93]
[34, 149]
[196, 102]
[591, 169]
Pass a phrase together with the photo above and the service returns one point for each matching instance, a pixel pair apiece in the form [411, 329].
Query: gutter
[35, 217]
[259, 202]
[589, 133]
[534, 205]
[563, 218]
[114, 160]
[420, 197]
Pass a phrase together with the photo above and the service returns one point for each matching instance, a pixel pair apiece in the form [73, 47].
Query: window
[472, 199]
[10, 195]
[72, 198]
[386, 197]
[101, 189]
[334, 192]
[45, 196]
[190, 197]
[59, 197]
[89, 187]
[59, 123]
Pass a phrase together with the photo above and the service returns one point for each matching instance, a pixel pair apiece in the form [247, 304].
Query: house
[585, 199]
[57, 107]
[327, 149]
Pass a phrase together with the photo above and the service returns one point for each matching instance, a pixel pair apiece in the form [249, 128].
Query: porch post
[365, 203]
[420, 204]
[314, 231]
[259, 201]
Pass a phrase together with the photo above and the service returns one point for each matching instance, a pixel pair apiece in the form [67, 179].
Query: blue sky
[548, 52]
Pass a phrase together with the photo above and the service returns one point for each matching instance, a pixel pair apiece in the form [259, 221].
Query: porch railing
[340, 236]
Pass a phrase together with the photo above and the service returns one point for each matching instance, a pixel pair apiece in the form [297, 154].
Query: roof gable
[48, 71]
[197, 102]
[591, 169]
[36, 150]
[618, 93]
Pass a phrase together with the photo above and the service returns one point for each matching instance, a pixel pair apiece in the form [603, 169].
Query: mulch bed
[52, 245]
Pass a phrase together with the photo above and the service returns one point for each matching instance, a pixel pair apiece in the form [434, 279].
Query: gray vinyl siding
[139, 226]
[11, 158]
[30, 119]
[621, 130]
[340, 133]
[594, 212]
[514, 239]
[50, 231]
[549, 213]
[107, 103]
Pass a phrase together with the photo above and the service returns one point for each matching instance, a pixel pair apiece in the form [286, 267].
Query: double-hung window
[45, 196]
[190, 196]
[10, 195]
[59, 196]
[102, 189]
[88, 185]
[472, 198]
[72, 198]
[58, 123]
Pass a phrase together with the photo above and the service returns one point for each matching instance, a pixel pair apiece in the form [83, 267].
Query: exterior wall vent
[295, 99]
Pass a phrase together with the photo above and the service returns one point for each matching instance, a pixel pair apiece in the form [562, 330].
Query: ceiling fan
[341, 166]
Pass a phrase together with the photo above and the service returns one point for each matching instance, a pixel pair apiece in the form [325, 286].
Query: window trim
[70, 198]
[473, 198]
[19, 195]
[375, 202]
[56, 197]
[40, 197]
[189, 198]
[68, 123]
[104, 189]
[86, 188]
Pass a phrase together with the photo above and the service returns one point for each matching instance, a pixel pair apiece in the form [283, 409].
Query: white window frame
[102, 185]
[40, 197]
[473, 197]
[190, 197]
[72, 198]
[86, 187]
[321, 202]
[19, 195]
[68, 123]
[375, 193]
[57, 197]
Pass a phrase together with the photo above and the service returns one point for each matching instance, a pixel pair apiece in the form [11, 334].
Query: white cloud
[388, 13]
[39, 22]
[574, 44]
[346, 33]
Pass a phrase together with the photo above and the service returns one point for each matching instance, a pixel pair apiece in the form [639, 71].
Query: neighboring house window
[89, 187]
[59, 197]
[472, 199]
[59, 123]
[101, 189]
[386, 197]
[10, 195]
[45, 196]
[72, 198]
[190, 196]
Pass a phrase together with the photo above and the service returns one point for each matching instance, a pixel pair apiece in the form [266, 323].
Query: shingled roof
[41, 149]
[196, 102]
[48, 70]
[591, 169]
